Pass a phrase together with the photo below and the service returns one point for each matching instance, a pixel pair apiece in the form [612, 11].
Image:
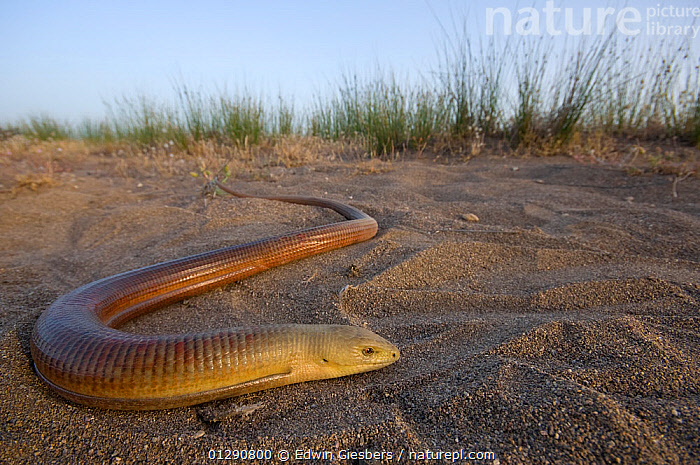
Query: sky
[65, 59]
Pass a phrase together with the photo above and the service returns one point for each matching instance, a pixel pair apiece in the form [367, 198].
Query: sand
[561, 327]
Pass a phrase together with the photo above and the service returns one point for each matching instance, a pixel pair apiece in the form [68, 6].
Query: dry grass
[31, 164]
[373, 166]
[35, 164]
[637, 157]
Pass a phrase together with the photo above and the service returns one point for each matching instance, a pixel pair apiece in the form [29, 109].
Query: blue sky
[66, 58]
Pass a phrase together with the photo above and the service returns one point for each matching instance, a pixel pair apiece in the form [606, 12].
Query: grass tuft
[527, 91]
[45, 128]
[385, 116]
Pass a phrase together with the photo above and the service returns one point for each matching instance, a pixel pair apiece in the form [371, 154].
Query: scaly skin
[78, 351]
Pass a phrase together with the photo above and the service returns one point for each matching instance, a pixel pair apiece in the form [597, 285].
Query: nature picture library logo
[659, 20]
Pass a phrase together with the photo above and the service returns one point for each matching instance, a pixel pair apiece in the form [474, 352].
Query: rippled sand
[562, 326]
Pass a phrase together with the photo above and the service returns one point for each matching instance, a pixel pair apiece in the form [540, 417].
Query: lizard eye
[367, 351]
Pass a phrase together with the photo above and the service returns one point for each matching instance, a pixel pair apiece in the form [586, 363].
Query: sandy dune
[563, 326]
